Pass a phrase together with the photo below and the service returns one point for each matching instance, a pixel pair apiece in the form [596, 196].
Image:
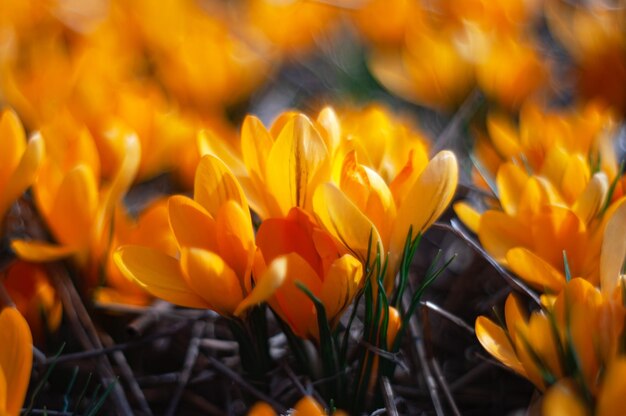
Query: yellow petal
[345, 222]
[265, 285]
[341, 283]
[562, 399]
[296, 164]
[425, 202]
[511, 180]
[575, 178]
[494, 340]
[503, 135]
[611, 397]
[122, 180]
[38, 252]
[23, 175]
[16, 357]
[534, 270]
[498, 233]
[158, 273]
[327, 118]
[211, 278]
[215, 185]
[592, 198]
[514, 315]
[191, 223]
[613, 250]
[256, 144]
[74, 208]
[468, 215]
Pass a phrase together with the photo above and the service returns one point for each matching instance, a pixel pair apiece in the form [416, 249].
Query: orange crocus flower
[296, 249]
[16, 360]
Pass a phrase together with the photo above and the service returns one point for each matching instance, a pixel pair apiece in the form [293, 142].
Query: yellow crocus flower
[363, 205]
[534, 346]
[214, 268]
[16, 359]
[75, 206]
[19, 160]
[150, 229]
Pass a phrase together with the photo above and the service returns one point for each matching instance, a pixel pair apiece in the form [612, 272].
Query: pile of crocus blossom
[287, 227]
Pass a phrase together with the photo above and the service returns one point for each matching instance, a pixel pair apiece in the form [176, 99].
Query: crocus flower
[296, 249]
[30, 289]
[150, 229]
[363, 205]
[215, 239]
[75, 206]
[16, 359]
[19, 160]
[582, 321]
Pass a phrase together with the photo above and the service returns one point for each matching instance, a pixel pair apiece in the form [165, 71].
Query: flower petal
[426, 201]
[345, 222]
[215, 184]
[191, 223]
[468, 215]
[613, 250]
[74, 208]
[592, 198]
[510, 180]
[16, 357]
[534, 270]
[38, 251]
[294, 164]
[341, 283]
[498, 233]
[611, 397]
[211, 278]
[563, 399]
[493, 338]
[159, 274]
[23, 175]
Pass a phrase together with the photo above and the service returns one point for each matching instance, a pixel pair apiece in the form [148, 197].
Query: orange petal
[592, 198]
[16, 357]
[266, 284]
[74, 208]
[503, 134]
[191, 223]
[292, 304]
[511, 180]
[307, 406]
[211, 278]
[235, 238]
[261, 409]
[534, 270]
[562, 399]
[514, 315]
[158, 273]
[498, 233]
[256, 144]
[611, 397]
[38, 252]
[12, 145]
[24, 173]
